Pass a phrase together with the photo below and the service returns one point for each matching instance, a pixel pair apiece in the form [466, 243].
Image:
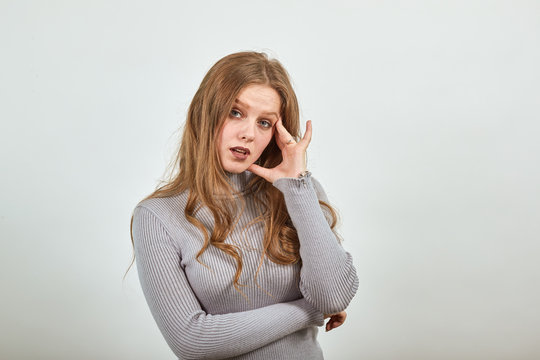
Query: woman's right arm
[190, 332]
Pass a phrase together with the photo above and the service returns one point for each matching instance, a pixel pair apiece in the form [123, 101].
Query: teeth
[239, 151]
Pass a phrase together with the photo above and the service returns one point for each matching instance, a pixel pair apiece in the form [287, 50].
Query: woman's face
[249, 127]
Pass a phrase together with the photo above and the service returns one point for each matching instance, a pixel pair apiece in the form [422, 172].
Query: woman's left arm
[328, 278]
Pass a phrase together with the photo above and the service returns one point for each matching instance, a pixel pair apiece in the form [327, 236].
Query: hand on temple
[293, 153]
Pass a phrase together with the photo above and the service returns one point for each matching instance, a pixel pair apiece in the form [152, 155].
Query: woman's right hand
[293, 155]
[336, 320]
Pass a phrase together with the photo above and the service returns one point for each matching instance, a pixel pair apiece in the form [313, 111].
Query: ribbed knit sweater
[197, 308]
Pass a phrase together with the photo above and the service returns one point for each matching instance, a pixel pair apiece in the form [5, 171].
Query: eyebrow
[247, 106]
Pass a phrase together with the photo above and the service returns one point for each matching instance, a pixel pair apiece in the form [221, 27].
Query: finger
[277, 134]
[261, 171]
[336, 320]
[279, 143]
[339, 318]
[336, 323]
[283, 134]
[333, 324]
[330, 325]
[307, 135]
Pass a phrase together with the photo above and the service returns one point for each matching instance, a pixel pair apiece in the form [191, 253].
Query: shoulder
[166, 209]
[154, 217]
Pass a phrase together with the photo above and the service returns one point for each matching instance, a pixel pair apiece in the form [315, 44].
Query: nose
[247, 132]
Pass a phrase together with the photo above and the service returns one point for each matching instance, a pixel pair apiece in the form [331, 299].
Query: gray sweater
[197, 309]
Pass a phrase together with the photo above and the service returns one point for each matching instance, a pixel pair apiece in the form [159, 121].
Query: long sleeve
[190, 332]
[328, 278]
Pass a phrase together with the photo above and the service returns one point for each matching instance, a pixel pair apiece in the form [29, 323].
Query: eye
[265, 123]
[236, 114]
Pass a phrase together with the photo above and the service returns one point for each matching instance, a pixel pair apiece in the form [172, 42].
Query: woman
[236, 254]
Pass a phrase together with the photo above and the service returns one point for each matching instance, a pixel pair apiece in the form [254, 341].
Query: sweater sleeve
[328, 278]
[189, 331]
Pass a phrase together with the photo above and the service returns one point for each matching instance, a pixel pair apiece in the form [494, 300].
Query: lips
[240, 152]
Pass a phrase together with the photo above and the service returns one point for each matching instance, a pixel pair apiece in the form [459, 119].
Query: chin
[238, 169]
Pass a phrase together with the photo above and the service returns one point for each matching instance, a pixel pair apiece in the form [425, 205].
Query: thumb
[261, 171]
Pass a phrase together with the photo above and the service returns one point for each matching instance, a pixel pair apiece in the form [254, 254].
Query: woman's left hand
[336, 320]
[293, 153]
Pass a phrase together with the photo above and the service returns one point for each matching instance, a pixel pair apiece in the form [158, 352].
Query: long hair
[198, 170]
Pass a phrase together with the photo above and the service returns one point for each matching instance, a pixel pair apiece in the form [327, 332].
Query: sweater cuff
[295, 186]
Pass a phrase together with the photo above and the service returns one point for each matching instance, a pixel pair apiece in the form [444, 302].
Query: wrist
[294, 185]
[299, 176]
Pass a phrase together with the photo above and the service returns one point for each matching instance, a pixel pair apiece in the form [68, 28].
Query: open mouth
[240, 150]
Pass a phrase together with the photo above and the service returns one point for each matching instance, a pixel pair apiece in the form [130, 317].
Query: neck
[239, 181]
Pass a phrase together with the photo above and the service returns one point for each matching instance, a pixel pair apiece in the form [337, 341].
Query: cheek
[221, 143]
[265, 141]
[269, 138]
[224, 135]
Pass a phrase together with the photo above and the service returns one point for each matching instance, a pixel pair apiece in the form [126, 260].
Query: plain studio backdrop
[426, 138]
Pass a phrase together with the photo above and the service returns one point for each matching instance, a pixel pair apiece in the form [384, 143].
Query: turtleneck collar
[239, 181]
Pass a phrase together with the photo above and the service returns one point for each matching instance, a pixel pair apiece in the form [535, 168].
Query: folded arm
[191, 332]
[328, 278]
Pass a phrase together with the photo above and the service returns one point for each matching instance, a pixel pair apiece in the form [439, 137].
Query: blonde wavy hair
[197, 168]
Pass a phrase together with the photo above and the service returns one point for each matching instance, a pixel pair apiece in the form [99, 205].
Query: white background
[426, 138]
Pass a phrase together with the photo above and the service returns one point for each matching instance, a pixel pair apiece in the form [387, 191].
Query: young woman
[236, 253]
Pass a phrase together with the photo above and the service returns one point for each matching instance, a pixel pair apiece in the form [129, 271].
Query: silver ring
[290, 141]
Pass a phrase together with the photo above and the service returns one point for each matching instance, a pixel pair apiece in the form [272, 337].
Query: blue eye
[236, 114]
[265, 123]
